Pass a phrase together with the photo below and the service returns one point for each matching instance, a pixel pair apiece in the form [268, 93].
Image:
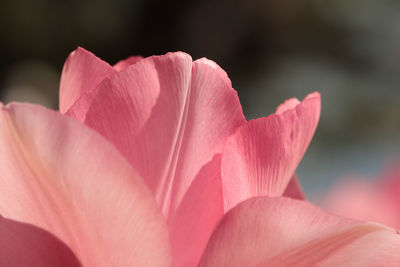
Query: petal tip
[208, 62]
[313, 95]
[292, 103]
[78, 50]
[216, 68]
[81, 52]
[179, 54]
[289, 104]
[81, 49]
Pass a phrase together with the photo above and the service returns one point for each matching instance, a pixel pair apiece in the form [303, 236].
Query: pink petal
[294, 190]
[169, 116]
[286, 232]
[29, 246]
[82, 72]
[263, 155]
[364, 244]
[123, 64]
[200, 210]
[287, 105]
[61, 176]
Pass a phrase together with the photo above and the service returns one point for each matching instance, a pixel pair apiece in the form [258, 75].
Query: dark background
[349, 50]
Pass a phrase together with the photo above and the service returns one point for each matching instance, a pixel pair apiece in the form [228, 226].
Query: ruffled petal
[63, 177]
[286, 232]
[262, 156]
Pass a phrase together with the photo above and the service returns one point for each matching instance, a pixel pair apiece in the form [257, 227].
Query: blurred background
[349, 50]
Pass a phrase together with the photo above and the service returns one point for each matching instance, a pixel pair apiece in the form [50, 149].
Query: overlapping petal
[180, 125]
[294, 189]
[266, 231]
[63, 177]
[169, 117]
[123, 64]
[197, 215]
[25, 245]
[261, 157]
[81, 73]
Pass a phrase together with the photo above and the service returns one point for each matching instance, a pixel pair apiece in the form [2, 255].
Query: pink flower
[167, 155]
[368, 200]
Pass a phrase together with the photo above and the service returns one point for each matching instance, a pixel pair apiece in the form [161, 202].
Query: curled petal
[262, 156]
[267, 231]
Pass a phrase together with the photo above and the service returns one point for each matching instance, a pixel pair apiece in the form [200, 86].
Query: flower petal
[363, 244]
[200, 210]
[82, 72]
[169, 116]
[26, 245]
[287, 105]
[262, 156]
[123, 64]
[267, 231]
[294, 190]
[61, 176]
